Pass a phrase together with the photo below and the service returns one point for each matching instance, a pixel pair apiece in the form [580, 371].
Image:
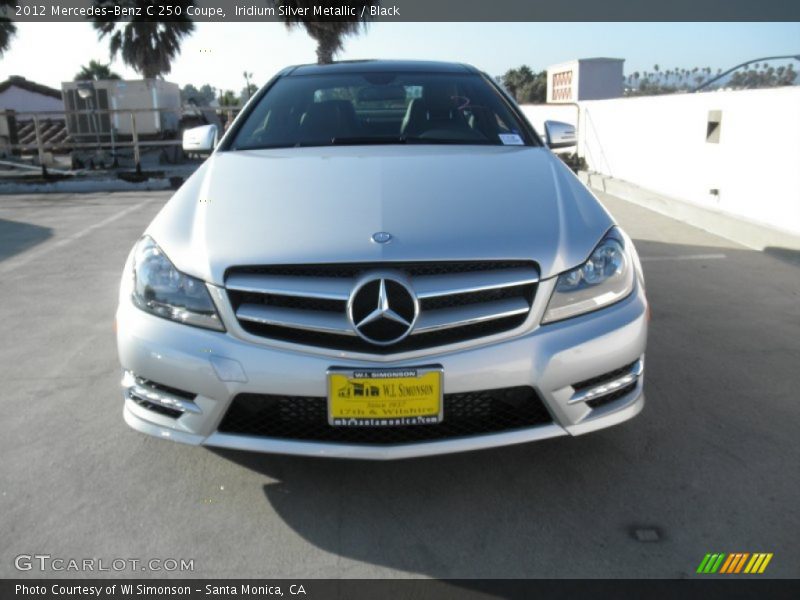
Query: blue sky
[218, 53]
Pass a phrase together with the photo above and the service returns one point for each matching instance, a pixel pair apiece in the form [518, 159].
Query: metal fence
[119, 133]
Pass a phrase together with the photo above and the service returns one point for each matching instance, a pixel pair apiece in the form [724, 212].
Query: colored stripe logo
[737, 562]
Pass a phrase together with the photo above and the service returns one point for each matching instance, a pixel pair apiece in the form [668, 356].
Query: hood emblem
[382, 309]
[382, 237]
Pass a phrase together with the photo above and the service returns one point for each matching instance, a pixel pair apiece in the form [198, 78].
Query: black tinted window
[374, 108]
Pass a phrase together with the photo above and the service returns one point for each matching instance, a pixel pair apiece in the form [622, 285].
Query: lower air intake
[305, 418]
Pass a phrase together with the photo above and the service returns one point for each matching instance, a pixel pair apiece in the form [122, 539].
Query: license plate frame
[372, 413]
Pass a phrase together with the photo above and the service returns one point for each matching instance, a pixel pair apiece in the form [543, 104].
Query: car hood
[322, 205]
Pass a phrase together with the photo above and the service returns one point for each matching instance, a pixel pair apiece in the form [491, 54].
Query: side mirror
[559, 135]
[200, 140]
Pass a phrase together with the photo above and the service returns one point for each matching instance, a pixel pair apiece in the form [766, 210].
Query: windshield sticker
[511, 139]
[461, 102]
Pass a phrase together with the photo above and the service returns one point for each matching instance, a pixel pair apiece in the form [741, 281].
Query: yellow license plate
[384, 397]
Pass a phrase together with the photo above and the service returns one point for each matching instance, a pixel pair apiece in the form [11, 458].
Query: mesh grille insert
[306, 418]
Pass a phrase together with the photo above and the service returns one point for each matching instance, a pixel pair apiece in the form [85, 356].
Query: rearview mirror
[559, 135]
[200, 140]
[384, 93]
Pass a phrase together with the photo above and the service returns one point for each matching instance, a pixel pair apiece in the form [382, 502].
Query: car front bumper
[218, 366]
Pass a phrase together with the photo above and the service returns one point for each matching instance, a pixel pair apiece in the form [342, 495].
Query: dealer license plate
[384, 397]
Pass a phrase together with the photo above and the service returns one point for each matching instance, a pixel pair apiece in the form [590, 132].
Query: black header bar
[710, 588]
[416, 10]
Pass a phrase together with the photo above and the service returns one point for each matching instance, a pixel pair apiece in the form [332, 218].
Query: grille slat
[328, 288]
[305, 418]
[431, 286]
[308, 320]
[460, 316]
[307, 304]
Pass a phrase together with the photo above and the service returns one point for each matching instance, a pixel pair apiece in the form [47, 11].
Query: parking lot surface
[711, 464]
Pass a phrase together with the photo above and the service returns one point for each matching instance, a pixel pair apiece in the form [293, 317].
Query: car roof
[380, 66]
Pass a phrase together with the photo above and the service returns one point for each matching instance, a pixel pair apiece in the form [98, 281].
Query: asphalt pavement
[711, 464]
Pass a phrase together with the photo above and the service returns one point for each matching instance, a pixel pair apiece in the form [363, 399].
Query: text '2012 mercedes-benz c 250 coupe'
[380, 259]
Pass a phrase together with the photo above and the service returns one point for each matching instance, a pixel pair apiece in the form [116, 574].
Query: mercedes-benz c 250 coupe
[379, 260]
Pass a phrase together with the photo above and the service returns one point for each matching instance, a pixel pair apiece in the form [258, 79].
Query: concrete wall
[660, 143]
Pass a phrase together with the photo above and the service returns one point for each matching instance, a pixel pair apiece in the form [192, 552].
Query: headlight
[160, 289]
[607, 277]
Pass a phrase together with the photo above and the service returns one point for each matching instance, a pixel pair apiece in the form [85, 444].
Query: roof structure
[31, 86]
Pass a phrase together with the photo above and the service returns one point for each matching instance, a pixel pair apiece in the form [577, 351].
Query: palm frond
[146, 44]
[328, 32]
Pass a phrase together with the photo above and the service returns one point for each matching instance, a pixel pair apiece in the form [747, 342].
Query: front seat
[415, 120]
[435, 110]
[324, 121]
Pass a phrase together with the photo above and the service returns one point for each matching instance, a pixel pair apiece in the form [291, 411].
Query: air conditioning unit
[162, 97]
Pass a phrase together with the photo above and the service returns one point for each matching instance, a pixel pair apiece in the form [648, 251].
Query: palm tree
[328, 32]
[228, 98]
[146, 45]
[96, 71]
[7, 28]
[250, 88]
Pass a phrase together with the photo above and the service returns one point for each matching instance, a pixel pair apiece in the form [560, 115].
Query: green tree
[526, 86]
[228, 98]
[7, 29]
[789, 76]
[96, 71]
[201, 97]
[250, 88]
[147, 45]
[328, 32]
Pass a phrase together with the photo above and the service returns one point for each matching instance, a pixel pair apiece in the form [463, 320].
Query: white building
[732, 153]
[21, 95]
[585, 79]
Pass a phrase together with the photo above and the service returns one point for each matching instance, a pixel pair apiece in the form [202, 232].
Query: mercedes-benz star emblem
[382, 309]
[382, 237]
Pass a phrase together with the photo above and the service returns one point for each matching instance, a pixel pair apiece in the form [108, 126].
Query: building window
[714, 126]
[561, 85]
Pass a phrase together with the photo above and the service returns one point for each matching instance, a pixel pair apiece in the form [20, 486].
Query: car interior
[438, 111]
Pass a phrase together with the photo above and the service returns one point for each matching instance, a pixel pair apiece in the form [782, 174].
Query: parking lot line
[13, 264]
[683, 257]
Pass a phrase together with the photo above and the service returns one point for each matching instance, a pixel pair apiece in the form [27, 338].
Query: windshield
[380, 108]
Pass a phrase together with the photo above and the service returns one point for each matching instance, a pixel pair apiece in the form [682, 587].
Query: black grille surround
[606, 399]
[612, 397]
[350, 270]
[160, 387]
[305, 418]
[156, 408]
[353, 271]
[605, 377]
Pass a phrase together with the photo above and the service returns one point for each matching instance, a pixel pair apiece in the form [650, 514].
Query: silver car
[380, 260]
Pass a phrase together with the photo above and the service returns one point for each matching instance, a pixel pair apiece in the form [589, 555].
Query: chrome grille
[306, 304]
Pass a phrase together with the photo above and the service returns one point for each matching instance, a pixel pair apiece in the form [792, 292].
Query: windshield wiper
[404, 139]
[274, 146]
[451, 141]
[365, 139]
